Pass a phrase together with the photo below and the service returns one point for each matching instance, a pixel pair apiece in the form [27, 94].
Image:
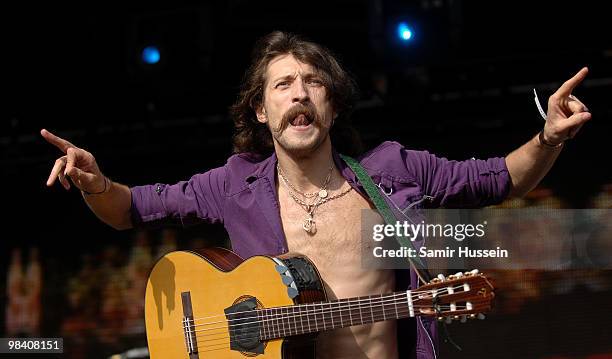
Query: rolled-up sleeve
[460, 184]
[200, 199]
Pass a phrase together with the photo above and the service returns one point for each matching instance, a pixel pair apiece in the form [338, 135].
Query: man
[287, 189]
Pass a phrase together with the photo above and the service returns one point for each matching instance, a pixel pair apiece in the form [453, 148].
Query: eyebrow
[307, 75]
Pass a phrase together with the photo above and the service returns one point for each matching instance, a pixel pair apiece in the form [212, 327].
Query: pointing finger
[569, 85]
[59, 142]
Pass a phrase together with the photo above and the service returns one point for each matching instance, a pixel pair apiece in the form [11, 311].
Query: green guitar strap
[385, 212]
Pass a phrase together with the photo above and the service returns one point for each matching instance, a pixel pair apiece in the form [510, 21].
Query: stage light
[151, 55]
[404, 32]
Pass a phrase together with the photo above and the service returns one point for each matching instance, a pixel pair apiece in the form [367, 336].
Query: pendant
[322, 193]
[309, 224]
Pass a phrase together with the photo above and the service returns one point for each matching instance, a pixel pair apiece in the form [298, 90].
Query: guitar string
[415, 294]
[322, 313]
[302, 314]
[207, 342]
[340, 316]
[334, 318]
[325, 306]
[209, 346]
[327, 310]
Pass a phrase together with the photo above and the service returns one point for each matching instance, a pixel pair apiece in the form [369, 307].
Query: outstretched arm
[528, 164]
[109, 200]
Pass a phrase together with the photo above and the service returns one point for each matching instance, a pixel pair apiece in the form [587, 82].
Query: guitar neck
[279, 322]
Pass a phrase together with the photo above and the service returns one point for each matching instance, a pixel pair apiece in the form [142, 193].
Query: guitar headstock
[459, 296]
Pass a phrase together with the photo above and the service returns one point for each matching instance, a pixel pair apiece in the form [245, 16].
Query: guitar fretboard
[299, 319]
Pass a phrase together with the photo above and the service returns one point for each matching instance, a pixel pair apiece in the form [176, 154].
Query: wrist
[106, 188]
[543, 142]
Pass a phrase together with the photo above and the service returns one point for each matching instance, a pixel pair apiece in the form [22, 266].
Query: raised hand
[77, 164]
[566, 114]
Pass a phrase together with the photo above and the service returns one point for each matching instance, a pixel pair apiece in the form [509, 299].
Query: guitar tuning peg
[287, 280]
[449, 320]
[474, 271]
[441, 277]
[463, 318]
[481, 316]
[456, 317]
[458, 274]
[472, 316]
[440, 319]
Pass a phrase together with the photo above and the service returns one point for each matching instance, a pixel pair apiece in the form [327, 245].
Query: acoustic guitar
[214, 304]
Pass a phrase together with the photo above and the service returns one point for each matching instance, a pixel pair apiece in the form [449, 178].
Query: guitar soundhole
[247, 334]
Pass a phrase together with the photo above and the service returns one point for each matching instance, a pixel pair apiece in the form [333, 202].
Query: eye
[316, 82]
[282, 84]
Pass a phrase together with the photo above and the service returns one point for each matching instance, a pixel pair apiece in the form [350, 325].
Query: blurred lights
[404, 32]
[151, 55]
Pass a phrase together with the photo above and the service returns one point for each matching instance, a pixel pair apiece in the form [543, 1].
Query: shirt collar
[268, 167]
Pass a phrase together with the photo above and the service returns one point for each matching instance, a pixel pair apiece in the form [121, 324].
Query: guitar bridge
[189, 326]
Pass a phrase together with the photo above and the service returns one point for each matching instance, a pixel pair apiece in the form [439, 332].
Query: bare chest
[336, 235]
[336, 250]
[336, 246]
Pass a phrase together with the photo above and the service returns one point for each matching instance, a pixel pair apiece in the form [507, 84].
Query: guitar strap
[385, 212]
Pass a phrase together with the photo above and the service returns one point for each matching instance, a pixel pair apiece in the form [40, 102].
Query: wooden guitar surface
[215, 281]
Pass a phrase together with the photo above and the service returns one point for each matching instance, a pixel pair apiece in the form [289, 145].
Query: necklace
[321, 193]
[309, 224]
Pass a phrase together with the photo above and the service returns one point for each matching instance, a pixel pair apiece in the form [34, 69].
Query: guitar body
[202, 286]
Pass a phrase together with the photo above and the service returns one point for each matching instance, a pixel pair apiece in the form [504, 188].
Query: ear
[261, 114]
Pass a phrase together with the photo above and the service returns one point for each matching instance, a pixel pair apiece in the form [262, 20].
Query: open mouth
[300, 120]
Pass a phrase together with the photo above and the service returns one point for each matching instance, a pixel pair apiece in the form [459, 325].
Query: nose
[300, 92]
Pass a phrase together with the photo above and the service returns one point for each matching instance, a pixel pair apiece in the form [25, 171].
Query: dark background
[461, 89]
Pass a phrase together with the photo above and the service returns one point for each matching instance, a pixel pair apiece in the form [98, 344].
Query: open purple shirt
[242, 195]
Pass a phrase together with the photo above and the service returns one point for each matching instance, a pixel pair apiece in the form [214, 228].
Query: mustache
[308, 111]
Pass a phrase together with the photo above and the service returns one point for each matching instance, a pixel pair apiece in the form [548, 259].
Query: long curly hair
[251, 136]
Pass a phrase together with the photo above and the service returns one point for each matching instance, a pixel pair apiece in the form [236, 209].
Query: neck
[278, 322]
[307, 172]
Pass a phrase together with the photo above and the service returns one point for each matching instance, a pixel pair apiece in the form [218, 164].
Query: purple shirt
[242, 195]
